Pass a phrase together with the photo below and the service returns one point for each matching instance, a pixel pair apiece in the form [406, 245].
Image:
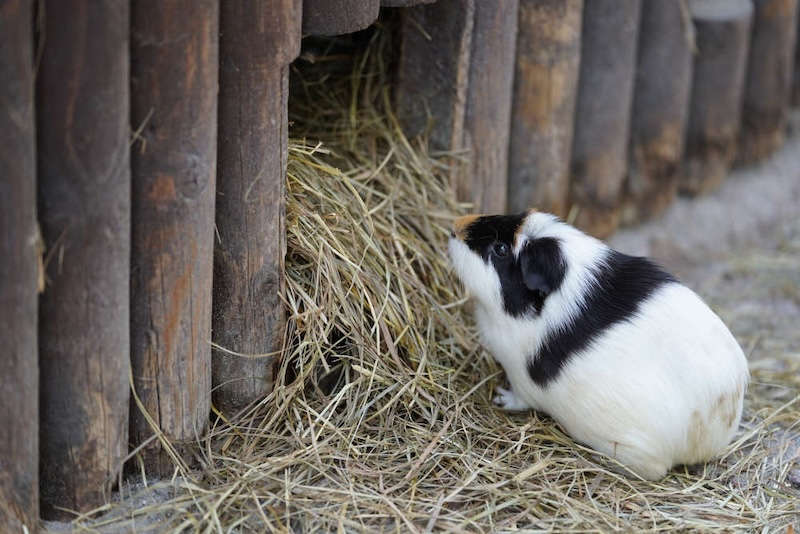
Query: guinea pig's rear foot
[651, 471]
[646, 466]
[506, 400]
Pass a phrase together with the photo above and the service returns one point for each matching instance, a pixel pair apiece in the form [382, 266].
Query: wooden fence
[132, 130]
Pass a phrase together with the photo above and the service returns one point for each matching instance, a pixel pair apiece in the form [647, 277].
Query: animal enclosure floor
[381, 419]
[749, 271]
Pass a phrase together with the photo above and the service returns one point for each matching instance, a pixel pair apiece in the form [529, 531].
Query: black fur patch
[485, 231]
[542, 255]
[622, 283]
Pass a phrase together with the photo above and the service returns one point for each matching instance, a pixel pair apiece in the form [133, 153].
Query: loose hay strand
[380, 418]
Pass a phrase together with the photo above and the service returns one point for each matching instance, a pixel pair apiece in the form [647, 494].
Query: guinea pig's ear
[536, 282]
[542, 265]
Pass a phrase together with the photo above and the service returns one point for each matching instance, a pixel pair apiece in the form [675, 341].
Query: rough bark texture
[545, 89]
[84, 209]
[769, 79]
[454, 81]
[487, 118]
[796, 76]
[335, 17]
[660, 108]
[602, 114]
[404, 3]
[722, 35]
[433, 71]
[174, 53]
[19, 369]
[257, 41]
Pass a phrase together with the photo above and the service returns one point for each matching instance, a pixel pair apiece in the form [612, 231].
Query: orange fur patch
[462, 223]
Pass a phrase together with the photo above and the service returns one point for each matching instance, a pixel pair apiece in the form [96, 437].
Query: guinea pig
[627, 359]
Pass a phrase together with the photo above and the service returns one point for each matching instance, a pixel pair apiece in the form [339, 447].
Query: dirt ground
[740, 249]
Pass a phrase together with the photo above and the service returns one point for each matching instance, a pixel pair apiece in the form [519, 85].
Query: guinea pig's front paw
[506, 400]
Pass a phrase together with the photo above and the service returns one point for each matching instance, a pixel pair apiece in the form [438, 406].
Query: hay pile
[381, 417]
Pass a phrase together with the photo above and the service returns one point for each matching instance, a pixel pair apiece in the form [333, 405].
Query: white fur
[663, 388]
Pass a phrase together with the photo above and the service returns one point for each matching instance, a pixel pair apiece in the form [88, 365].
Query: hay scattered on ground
[381, 417]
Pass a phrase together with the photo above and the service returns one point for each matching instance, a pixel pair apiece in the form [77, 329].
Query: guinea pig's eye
[500, 249]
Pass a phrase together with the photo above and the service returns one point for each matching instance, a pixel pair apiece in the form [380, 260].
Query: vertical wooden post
[795, 98]
[722, 34]
[174, 53]
[768, 81]
[602, 113]
[335, 17]
[487, 119]
[258, 40]
[19, 369]
[84, 209]
[660, 108]
[545, 89]
[433, 71]
[404, 3]
[455, 80]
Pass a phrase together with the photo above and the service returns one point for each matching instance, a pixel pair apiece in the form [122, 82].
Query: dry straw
[381, 418]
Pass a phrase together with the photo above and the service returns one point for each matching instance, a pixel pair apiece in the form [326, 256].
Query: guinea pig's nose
[461, 224]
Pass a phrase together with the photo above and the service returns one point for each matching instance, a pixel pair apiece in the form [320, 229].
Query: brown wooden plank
[257, 41]
[19, 368]
[84, 209]
[660, 108]
[174, 73]
[404, 3]
[335, 17]
[602, 112]
[545, 89]
[722, 35]
[454, 82]
[487, 119]
[795, 99]
[433, 71]
[769, 79]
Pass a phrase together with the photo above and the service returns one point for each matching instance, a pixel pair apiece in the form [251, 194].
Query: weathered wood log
[768, 81]
[19, 367]
[433, 71]
[796, 75]
[545, 89]
[722, 36]
[487, 118]
[660, 108]
[257, 41]
[335, 17]
[404, 3]
[174, 53]
[602, 112]
[84, 209]
[455, 80]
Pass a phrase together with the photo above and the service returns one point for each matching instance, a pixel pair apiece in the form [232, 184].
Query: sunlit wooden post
[545, 89]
